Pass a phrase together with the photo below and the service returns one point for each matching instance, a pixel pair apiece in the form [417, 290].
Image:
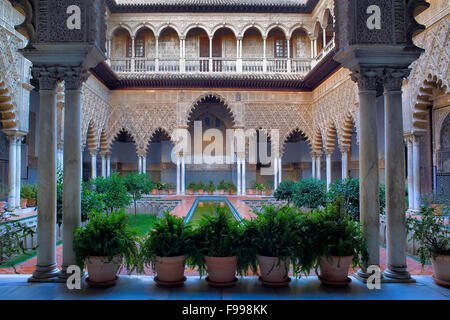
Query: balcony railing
[214, 65]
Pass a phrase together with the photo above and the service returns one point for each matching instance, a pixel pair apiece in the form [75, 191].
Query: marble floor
[16, 287]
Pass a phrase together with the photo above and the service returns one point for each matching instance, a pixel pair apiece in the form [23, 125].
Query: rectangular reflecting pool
[207, 206]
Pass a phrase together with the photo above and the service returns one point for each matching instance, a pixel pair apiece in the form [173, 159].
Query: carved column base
[48, 273]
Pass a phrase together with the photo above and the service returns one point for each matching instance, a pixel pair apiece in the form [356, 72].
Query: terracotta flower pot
[259, 192]
[31, 203]
[201, 192]
[2, 206]
[171, 192]
[23, 203]
[190, 192]
[221, 270]
[231, 192]
[101, 270]
[210, 193]
[441, 269]
[154, 192]
[251, 192]
[170, 269]
[272, 270]
[221, 192]
[334, 270]
[268, 192]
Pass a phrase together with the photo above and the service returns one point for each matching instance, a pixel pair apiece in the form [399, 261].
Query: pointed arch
[209, 95]
[292, 133]
[118, 27]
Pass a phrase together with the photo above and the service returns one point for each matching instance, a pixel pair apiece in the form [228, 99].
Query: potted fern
[260, 188]
[231, 187]
[433, 238]
[201, 188]
[166, 249]
[217, 245]
[338, 243]
[192, 187]
[221, 187]
[210, 188]
[272, 235]
[103, 244]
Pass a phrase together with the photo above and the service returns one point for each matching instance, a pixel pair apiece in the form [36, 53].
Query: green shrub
[260, 187]
[310, 193]
[136, 185]
[107, 236]
[430, 233]
[192, 186]
[211, 187]
[218, 236]
[170, 237]
[230, 186]
[222, 185]
[201, 186]
[113, 190]
[285, 191]
[91, 201]
[348, 191]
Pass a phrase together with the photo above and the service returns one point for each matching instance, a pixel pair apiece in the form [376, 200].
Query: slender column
[318, 166]
[275, 173]
[46, 266]
[210, 54]
[93, 163]
[104, 175]
[133, 54]
[18, 170]
[178, 175]
[313, 164]
[244, 178]
[144, 164]
[157, 53]
[416, 171]
[289, 60]
[12, 172]
[345, 155]
[409, 143]
[182, 55]
[395, 175]
[315, 48]
[183, 175]
[140, 164]
[265, 54]
[312, 48]
[280, 170]
[239, 177]
[108, 164]
[109, 48]
[329, 169]
[368, 163]
[74, 78]
[324, 34]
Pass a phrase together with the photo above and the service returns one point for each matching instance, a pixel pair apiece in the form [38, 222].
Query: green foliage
[348, 191]
[29, 192]
[285, 191]
[273, 234]
[113, 190]
[222, 185]
[201, 186]
[136, 185]
[211, 187]
[310, 193]
[431, 234]
[107, 236]
[259, 187]
[440, 198]
[12, 237]
[230, 186]
[192, 186]
[159, 185]
[91, 201]
[170, 237]
[332, 232]
[218, 236]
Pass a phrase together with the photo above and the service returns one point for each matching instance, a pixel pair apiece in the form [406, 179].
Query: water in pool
[208, 208]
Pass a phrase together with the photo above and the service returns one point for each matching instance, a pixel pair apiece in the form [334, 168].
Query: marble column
[12, 172]
[74, 78]
[239, 177]
[139, 164]
[183, 175]
[280, 170]
[395, 176]
[345, 156]
[178, 175]
[244, 177]
[275, 173]
[46, 267]
[329, 169]
[409, 144]
[144, 164]
[103, 155]
[318, 166]
[313, 164]
[93, 163]
[416, 172]
[368, 164]
[18, 170]
[108, 164]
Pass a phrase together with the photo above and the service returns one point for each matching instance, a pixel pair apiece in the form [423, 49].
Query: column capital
[74, 77]
[142, 154]
[367, 78]
[48, 77]
[93, 152]
[328, 152]
[393, 78]
[344, 149]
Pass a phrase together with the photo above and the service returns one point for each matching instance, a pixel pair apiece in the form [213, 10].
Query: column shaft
[108, 166]
[12, 172]
[244, 178]
[280, 170]
[178, 176]
[329, 171]
[144, 164]
[18, 170]
[344, 164]
[93, 165]
[275, 173]
[318, 167]
[104, 166]
[183, 175]
[395, 182]
[416, 172]
[410, 174]
[313, 164]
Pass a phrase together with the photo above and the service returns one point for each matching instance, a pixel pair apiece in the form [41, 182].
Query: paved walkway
[16, 287]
